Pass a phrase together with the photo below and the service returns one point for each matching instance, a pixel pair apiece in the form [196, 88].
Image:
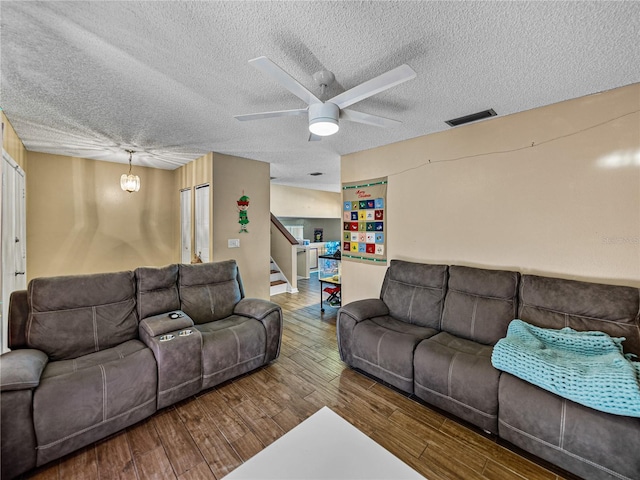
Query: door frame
[14, 260]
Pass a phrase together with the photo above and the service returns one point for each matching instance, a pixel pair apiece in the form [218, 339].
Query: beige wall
[553, 191]
[80, 221]
[304, 203]
[197, 172]
[231, 177]
[12, 144]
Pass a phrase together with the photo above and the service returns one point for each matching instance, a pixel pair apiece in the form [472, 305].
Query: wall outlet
[234, 243]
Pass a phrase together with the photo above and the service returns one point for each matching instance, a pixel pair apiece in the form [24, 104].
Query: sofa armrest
[270, 315]
[18, 317]
[364, 309]
[164, 323]
[349, 317]
[255, 308]
[21, 369]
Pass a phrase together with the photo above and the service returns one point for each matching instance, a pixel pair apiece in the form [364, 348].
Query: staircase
[279, 283]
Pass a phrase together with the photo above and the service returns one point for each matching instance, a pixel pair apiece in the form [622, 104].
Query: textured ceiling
[92, 79]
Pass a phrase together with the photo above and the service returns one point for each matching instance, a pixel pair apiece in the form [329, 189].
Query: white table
[324, 446]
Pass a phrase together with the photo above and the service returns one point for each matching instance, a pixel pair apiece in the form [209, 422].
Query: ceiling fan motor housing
[323, 118]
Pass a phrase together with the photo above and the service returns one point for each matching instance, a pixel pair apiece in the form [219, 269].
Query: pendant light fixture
[130, 183]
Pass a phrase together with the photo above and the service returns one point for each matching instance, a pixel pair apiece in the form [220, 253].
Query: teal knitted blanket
[586, 367]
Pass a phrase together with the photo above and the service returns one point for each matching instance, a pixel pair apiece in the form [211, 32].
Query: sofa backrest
[209, 291]
[75, 315]
[414, 292]
[157, 290]
[480, 303]
[557, 303]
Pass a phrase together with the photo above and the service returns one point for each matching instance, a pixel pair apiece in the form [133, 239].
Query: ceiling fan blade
[314, 138]
[284, 79]
[278, 113]
[368, 119]
[378, 84]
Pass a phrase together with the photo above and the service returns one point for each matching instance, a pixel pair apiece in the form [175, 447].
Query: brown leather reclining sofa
[431, 333]
[93, 354]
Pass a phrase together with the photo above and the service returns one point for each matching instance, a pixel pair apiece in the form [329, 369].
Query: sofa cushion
[84, 399]
[231, 347]
[21, 369]
[480, 303]
[383, 346]
[557, 303]
[75, 315]
[209, 291]
[456, 375]
[584, 441]
[157, 290]
[414, 292]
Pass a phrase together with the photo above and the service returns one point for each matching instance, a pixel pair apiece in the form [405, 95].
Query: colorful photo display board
[364, 221]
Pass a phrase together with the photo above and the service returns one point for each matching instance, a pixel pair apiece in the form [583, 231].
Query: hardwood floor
[207, 436]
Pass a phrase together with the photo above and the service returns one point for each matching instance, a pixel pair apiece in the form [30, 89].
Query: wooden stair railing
[278, 224]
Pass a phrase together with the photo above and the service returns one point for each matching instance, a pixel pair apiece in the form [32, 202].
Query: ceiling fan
[323, 116]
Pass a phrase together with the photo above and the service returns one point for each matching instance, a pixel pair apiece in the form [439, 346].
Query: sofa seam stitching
[450, 373]
[571, 454]
[194, 379]
[129, 299]
[104, 393]
[95, 329]
[479, 295]
[211, 306]
[485, 414]
[616, 321]
[233, 366]
[29, 318]
[85, 430]
[378, 347]
[442, 314]
[382, 368]
[473, 317]
[235, 335]
[563, 417]
[411, 305]
[416, 286]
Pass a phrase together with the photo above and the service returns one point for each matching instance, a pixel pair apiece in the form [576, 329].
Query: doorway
[185, 226]
[202, 216]
[14, 245]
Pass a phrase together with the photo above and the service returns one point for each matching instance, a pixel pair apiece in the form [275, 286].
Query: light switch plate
[234, 243]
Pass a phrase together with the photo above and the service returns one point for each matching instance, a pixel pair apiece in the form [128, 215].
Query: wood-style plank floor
[209, 435]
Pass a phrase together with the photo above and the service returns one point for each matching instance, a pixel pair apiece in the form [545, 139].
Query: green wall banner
[364, 221]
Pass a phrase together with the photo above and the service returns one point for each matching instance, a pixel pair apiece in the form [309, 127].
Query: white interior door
[14, 247]
[202, 222]
[185, 225]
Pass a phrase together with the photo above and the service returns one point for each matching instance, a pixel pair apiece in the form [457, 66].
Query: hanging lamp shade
[128, 182]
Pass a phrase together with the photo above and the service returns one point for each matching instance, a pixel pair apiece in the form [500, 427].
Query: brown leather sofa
[431, 334]
[93, 354]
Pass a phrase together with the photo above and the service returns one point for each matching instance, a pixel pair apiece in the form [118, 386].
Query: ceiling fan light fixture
[323, 119]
